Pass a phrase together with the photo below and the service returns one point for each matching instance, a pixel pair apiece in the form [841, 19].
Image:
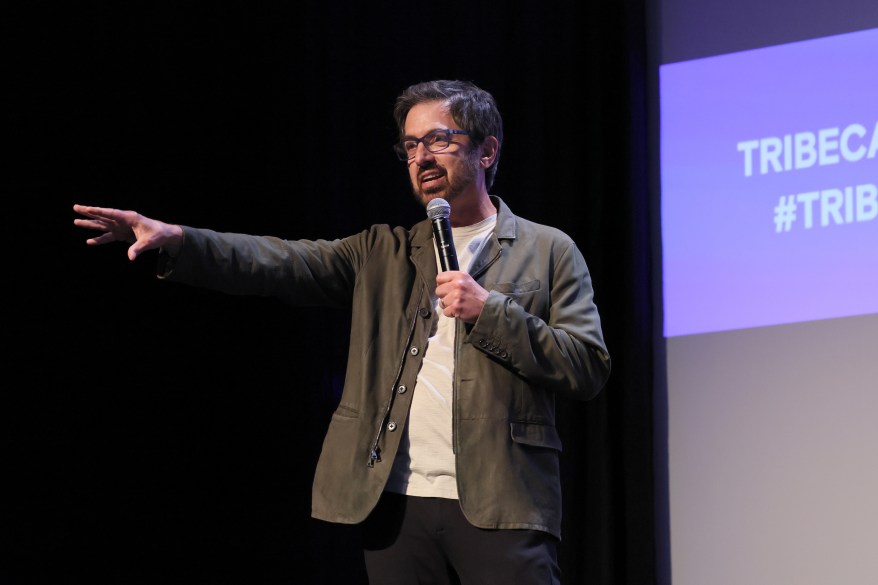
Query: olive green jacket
[538, 337]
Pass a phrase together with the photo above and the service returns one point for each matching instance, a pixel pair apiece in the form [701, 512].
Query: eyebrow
[413, 137]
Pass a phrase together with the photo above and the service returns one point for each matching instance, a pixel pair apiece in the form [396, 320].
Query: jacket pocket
[516, 288]
[536, 435]
[345, 411]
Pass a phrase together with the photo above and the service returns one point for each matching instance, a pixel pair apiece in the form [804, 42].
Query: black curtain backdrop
[155, 433]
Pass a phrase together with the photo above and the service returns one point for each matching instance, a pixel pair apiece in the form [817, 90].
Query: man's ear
[489, 149]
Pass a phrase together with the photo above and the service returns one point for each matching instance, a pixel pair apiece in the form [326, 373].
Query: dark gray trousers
[427, 541]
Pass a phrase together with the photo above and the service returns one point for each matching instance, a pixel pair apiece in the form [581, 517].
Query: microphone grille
[438, 208]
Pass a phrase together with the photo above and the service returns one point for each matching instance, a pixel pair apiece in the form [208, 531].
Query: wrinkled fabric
[539, 336]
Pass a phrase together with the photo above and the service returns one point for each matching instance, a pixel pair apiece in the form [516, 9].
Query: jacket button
[401, 389]
[391, 426]
[413, 351]
[425, 313]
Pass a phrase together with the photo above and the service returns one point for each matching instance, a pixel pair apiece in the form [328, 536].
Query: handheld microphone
[438, 210]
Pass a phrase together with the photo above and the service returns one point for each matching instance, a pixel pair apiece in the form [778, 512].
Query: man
[443, 445]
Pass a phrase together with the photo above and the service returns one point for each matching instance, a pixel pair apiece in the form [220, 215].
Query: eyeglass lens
[434, 142]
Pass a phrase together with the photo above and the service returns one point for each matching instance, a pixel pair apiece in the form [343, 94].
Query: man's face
[449, 173]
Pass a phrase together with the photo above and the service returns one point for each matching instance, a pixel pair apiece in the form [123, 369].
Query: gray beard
[467, 176]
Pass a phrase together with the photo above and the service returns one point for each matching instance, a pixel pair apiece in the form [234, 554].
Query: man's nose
[422, 154]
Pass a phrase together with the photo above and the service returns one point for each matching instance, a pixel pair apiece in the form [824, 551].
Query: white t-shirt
[424, 465]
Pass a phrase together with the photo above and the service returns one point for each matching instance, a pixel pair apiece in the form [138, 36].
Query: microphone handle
[444, 244]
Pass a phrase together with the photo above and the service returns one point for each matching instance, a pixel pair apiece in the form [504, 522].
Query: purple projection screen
[769, 165]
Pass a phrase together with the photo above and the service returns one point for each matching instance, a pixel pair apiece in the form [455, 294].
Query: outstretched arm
[138, 230]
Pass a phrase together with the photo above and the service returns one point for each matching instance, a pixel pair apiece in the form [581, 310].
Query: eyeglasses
[435, 141]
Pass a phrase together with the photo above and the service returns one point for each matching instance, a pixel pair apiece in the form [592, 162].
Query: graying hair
[471, 107]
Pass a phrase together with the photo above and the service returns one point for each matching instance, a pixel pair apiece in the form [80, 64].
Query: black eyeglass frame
[400, 149]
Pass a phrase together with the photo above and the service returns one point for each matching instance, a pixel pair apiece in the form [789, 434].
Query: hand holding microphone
[459, 295]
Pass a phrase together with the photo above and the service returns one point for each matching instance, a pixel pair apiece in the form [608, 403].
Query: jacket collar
[422, 232]
[506, 224]
[424, 255]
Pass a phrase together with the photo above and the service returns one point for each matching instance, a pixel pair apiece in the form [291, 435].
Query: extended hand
[138, 230]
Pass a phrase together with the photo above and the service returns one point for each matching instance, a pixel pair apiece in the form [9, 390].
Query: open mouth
[429, 177]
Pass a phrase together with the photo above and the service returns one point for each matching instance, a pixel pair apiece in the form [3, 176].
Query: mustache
[431, 166]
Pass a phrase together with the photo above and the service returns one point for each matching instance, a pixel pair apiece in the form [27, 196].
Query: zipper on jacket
[458, 342]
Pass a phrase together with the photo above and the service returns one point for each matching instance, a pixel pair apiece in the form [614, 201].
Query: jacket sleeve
[563, 349]
[300, 272]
